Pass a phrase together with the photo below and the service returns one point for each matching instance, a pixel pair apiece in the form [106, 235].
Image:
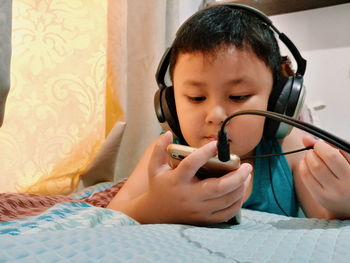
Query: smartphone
[213, 168]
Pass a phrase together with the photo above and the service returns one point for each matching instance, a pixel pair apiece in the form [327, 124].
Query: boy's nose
[216, 115]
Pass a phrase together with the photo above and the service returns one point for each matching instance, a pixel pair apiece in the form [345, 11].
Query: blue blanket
[79, 232]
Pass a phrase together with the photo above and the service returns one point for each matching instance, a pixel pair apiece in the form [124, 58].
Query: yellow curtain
[56, 117]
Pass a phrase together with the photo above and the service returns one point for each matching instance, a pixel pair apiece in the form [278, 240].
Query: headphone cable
[275, 154]
[224, 146]
[273, 188]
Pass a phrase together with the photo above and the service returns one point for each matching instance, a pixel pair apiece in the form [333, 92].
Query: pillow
[103, 166]
[21, 205]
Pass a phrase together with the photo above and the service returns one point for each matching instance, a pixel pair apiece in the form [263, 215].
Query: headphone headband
[287, 95]
[301, 62]
[162, 68]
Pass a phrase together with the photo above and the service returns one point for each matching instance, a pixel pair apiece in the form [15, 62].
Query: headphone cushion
[158, 107]
[296, 97]
[277, 103]
[289, 103]
[169, 111]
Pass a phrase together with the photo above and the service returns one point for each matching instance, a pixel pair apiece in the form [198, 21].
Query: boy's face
[209, 88]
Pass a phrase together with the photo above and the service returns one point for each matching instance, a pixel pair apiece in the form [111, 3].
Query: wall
[322, 36]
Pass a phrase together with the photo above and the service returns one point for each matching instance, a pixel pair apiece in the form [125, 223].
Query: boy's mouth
[214, 138]
[211, 137]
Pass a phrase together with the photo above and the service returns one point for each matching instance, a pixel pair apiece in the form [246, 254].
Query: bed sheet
[81, 232]
[261, 237]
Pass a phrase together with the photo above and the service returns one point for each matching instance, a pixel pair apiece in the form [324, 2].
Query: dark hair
[219, 26]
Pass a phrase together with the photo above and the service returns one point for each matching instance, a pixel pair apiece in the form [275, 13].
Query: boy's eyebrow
[235, 81]
[191, 82]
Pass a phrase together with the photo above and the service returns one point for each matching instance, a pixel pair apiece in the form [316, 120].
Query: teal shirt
[272, 174]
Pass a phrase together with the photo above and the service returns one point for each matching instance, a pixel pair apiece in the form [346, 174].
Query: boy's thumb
[308, 141]
[159, 156]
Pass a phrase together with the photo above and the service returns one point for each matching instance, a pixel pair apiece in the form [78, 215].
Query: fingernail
[212, 144]
[249, 168]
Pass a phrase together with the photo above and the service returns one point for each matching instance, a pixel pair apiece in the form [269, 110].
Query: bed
[78, 228]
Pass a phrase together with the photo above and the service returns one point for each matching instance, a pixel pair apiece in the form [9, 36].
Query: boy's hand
[325, 171]
[178, 196]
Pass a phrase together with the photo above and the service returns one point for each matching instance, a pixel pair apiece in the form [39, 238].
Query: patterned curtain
[5, 53]
[64, 93]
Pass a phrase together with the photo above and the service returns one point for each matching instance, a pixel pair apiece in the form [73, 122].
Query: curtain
[5, 53]
[79, 66]
[151, 26]
[63, 99]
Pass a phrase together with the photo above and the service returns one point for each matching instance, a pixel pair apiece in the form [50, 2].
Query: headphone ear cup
[289, 102]
[296, 98]
[277, 103]
[166, 111]
[158, 107]
[293, 107]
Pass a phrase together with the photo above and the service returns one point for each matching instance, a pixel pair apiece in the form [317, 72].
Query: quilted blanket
[82, 232]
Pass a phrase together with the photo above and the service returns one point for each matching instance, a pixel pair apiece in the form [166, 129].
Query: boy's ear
[286, 67]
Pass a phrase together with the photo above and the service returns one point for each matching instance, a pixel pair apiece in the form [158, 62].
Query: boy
[225, 60]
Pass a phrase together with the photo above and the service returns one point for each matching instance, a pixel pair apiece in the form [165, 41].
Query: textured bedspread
[101, 235]
[82, 232]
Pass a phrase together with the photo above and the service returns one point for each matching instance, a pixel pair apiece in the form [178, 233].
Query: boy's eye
[197, 99]
[239, 98]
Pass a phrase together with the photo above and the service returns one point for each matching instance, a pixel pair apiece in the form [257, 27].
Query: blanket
[16, 206]
[81, 232]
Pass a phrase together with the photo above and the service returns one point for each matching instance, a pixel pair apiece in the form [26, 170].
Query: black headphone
[287, 95]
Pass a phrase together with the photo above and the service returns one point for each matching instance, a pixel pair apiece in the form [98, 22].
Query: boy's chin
[242, 150]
